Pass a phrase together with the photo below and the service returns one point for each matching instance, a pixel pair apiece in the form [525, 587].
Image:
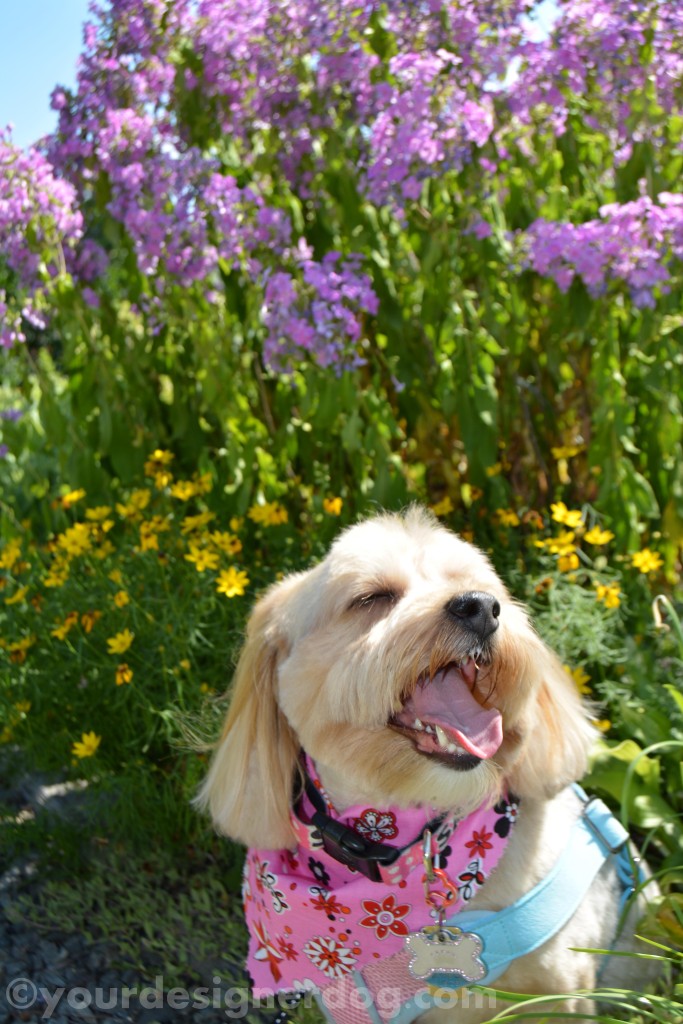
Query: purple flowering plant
[475, 219]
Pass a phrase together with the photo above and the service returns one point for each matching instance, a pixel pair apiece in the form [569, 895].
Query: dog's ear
[248, 789]
[556, 732]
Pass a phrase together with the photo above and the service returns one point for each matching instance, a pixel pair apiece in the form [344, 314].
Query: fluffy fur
[333, 653]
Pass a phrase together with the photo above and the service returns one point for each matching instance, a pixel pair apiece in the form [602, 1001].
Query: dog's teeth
[442, 737]
[417, 724]
[429, 729]
[452, 749]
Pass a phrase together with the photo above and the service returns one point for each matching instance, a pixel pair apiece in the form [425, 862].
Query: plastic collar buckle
[348, 847]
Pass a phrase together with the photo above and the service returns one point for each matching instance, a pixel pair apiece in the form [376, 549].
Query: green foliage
[150, 912]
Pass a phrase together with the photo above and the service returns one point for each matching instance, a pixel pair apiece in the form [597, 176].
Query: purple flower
[11, 414]
[319, 315]
[632, 243]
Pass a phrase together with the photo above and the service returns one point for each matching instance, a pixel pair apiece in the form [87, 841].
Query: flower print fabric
[312, 920]
[377, 826]
[386, 916]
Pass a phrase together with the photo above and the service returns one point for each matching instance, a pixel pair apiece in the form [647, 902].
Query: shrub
[441, 234]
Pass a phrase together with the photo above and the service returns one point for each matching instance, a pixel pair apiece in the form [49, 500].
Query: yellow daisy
[87, 746]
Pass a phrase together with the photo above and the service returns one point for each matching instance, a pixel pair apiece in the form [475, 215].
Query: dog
[395, 697]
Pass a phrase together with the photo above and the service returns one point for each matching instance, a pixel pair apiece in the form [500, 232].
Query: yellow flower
[162, 479]
[23, 644]
[11, 554]
[205, 688]
[88, 620]
[185, 665]
[121, 598]
[603, 724]
[191, 523]
[103, 550]
[98, 513]
[23, 706]
[67, 500]
[232, 582]
[332, 506]
[563, 544]
[161, 455]
[507, 517]
[236, 523]
[87, 746]
[137, 503]
[568, 517]
[226, 542]
[609, 593]
[120, 643]
[159, 524]
[58, 573]
[75, 540]
[269, 514]
[183, 490]
[203, 483]
[598, 536]
[124, 674]
[581, 678]
[18, 596]
[567, 451]
[533, 519]
[646, 561]
[157, 460]
[569, 562]
[17, 649]
[140, 498]
[148, 538]
[61, 631]
[202, 558]
[156, 466]
[443, 507]
[494, 470]
[116, 576]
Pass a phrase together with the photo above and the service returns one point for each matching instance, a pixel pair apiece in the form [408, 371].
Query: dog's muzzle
[444, 719]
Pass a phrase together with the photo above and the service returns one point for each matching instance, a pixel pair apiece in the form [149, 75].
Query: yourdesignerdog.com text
[22, 994]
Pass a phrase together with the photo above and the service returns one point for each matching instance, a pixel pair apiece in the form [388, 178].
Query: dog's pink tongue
[447, 701]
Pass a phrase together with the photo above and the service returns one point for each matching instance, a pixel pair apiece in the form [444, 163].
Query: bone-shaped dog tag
[439, 949]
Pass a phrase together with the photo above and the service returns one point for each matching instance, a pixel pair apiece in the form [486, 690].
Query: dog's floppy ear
[556, 730]
[248, 789]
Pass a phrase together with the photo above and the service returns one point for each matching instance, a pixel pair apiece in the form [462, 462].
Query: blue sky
[40, 41]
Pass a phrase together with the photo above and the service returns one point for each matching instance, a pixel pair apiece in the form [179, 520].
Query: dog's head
[402, 665]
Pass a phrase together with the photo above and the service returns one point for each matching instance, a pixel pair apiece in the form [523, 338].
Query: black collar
[346, 845]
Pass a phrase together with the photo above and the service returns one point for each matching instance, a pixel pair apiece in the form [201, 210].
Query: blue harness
[503, 936]
[506, 935]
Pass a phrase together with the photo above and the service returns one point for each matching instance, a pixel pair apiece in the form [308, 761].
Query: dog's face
[402, 665]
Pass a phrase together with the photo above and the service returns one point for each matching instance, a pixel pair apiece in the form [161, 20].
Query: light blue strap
[525, 925]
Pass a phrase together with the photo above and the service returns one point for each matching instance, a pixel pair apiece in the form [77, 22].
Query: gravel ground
[62, 975]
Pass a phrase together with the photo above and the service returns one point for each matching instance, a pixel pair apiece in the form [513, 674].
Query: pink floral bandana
[313, 921]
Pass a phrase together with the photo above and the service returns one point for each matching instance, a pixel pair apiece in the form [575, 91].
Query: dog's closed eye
[378, 598]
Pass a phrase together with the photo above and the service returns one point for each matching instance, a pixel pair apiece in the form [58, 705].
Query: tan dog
[409, 676]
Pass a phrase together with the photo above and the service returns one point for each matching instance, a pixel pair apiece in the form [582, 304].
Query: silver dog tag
[439, 949]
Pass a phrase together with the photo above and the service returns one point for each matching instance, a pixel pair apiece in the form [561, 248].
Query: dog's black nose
[477, 611]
